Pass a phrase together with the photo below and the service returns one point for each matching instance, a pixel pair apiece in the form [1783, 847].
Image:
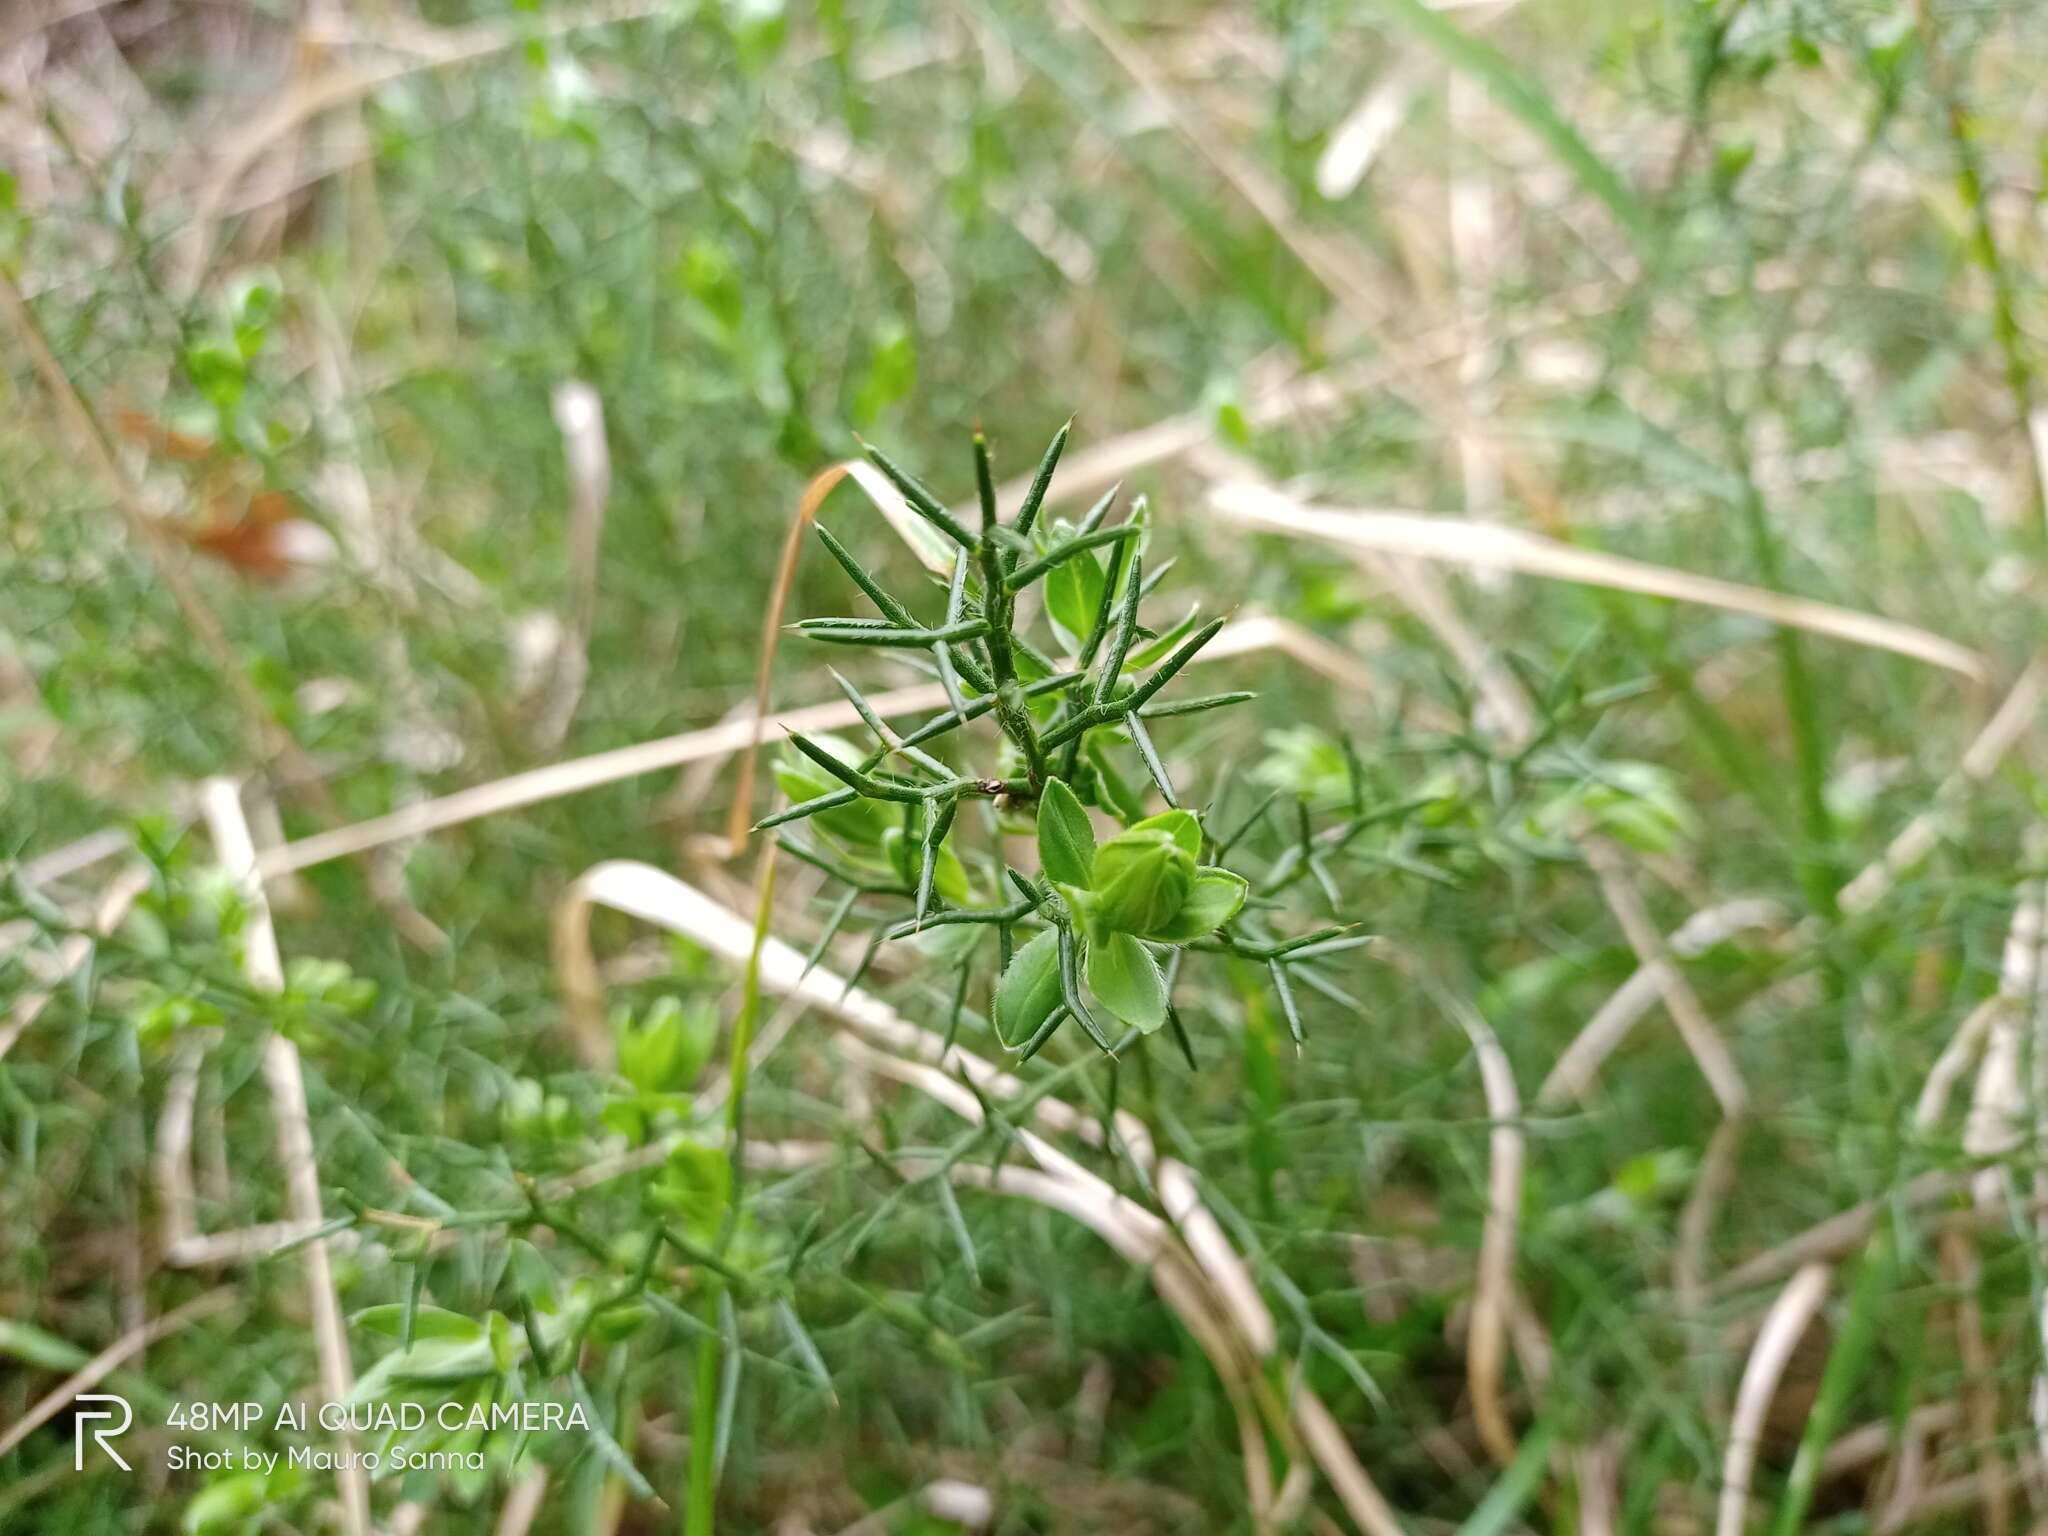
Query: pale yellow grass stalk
[221, 803]
[1487, 546]
[1790, 1314]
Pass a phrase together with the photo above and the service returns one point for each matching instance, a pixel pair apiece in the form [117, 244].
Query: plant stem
[2012, 347]
[699, 1515]
[998, 609]
[700, 1500]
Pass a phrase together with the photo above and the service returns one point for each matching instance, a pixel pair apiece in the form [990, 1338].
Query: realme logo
[81, 1416]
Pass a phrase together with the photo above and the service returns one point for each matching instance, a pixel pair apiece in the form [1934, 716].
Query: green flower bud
[1142, 878]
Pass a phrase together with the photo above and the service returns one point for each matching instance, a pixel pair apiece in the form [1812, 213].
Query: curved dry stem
[1964, 1275]
[740, 819]
[221, 802]
[1788, 1318]
[1683, 1004]
[1494, 1299]
[1493, 1295]
[1696, 1222]
[1956, 1058]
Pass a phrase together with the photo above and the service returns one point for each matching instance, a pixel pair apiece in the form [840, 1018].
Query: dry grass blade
[1795, 1308]
[522, 1504]
[1710, 1188]
[1840, 1234]
[1356, 142]
[579, 414]
[1995, 1127]
[538, 785]
[1683, 1004]
[1493, 1294]
[1480, 546]
[1964, 1277]
[221, 802]
[1955, 1059]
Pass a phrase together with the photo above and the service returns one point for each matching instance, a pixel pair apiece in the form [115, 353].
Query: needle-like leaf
[831, 929]
[798, 812]
[1195, 706]
[1034, 498]
[1066, 550]
[921, 500]
[1143, 741]
[1280, 985]
[1120, 640]
[894, 611]
[868, 632]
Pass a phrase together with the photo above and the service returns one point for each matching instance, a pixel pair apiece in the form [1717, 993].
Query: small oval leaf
[1126, 981]
[1029, 989]
[1066, 842]
[1213, 900]
[427, 1322]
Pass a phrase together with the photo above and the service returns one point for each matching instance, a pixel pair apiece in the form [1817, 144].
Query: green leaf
[45, 1351]
[1030, 988]
[427, 1322]
[226, 1505]
[428, 1360]
[666, 1051]
[1213, 900]
[1072, 592]
[1066, 842]
[1125, 980]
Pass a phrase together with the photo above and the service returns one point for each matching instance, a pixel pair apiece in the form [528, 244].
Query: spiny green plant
[1099, 914]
